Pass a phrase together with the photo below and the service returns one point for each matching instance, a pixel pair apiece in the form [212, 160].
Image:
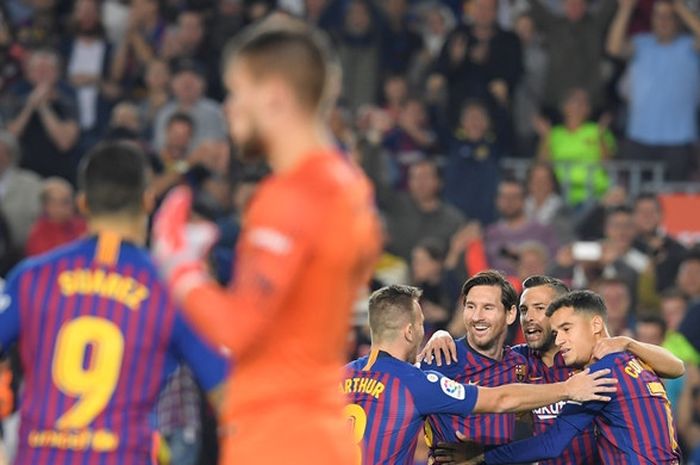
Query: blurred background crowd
[529, 136]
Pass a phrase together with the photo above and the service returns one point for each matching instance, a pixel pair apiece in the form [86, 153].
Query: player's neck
[396, 350]
[495, 352]
[294, 144]
[548, 355]
[129, 229]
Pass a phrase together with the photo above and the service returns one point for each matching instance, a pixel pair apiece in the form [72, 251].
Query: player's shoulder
[522, 349]
[613, 361]
[56, 255]
[513, 356]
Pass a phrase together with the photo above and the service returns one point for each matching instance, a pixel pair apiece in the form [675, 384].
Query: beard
[252, 149]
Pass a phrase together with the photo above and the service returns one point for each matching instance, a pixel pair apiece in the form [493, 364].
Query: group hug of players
[593, 398]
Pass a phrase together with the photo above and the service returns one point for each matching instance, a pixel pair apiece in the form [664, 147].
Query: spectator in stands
[529, 92]
[40, 27]
[473, 168]
[358, 44]
[688, 279]
[591, 225]
[410, 140]
[503, 238]
[157, 95]
[42, 114]
[10, 55]
[544, 203]
[418, 213]
[188, 88]
[179, 417]
[19, 191]
[575, 48]
[172, 162]
[88, 57]
[480, 60]
[665, 252]
[126, 115]
[142, 43]
[618, 301]
[428, 274]
[59, 222]
[577, 147]
[664, 85]
[436, 21]
[394, 95]
[674, 306]
[650, 329]
[400, 43]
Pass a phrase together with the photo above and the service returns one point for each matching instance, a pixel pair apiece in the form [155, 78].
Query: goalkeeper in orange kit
[309, 243]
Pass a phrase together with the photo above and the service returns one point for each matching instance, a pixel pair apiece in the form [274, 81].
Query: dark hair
[655, 320]
[510, 179]
[624, 209]
[180, 117]
[650, 197]
[509, 297]
[433, 247]
[555, 284]
[113, 177]
[556, 187]
[293, 51]
[674, 293]
[581, 301]
[388, 304]
[692, 255]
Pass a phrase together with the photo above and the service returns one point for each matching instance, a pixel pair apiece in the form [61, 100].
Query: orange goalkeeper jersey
[309, 242]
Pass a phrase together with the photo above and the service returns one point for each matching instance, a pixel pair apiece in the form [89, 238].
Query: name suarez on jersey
[110, 285]
[367, 386]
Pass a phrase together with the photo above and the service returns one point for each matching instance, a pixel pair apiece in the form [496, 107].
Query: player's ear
[597, 324]
[511, 314]
[409, 332]
[81, 202]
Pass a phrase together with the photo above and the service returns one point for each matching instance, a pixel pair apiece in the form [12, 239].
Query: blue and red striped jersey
[488, 429]
[97, 335]
[388, 400]
[635, 427]
[582, 450]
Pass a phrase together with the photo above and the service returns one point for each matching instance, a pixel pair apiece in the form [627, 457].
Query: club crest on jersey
[452, 388]
[520, 372]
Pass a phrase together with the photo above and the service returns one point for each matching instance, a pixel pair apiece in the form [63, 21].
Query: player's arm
[9, 332]
[9, 311]
[548, 445]
[441, 346]
[661, 360]
[209, 366]
[581, 387]
[270, 258]
[617, 44]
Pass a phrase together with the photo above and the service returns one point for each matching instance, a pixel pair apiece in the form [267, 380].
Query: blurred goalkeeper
[309, 243]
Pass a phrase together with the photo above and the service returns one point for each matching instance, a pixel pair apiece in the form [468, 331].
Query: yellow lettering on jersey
[634, 368]
[123, 289]
[99, 441]
[368, 386]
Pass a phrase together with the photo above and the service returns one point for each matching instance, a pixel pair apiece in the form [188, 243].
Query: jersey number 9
[358, 421]
[94, 382]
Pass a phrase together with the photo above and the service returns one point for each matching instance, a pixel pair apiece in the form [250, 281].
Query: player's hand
[179, 246]
[611, 345]
[441, 347]
[586, 386]
[6, 396]
[465, 452]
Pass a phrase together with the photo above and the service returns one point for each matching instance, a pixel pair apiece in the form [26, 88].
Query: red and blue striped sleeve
[436, 394]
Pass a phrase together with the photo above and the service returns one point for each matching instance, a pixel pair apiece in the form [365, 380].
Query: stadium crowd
[436, 95]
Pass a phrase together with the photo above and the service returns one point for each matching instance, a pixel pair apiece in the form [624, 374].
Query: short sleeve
[437, 394]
